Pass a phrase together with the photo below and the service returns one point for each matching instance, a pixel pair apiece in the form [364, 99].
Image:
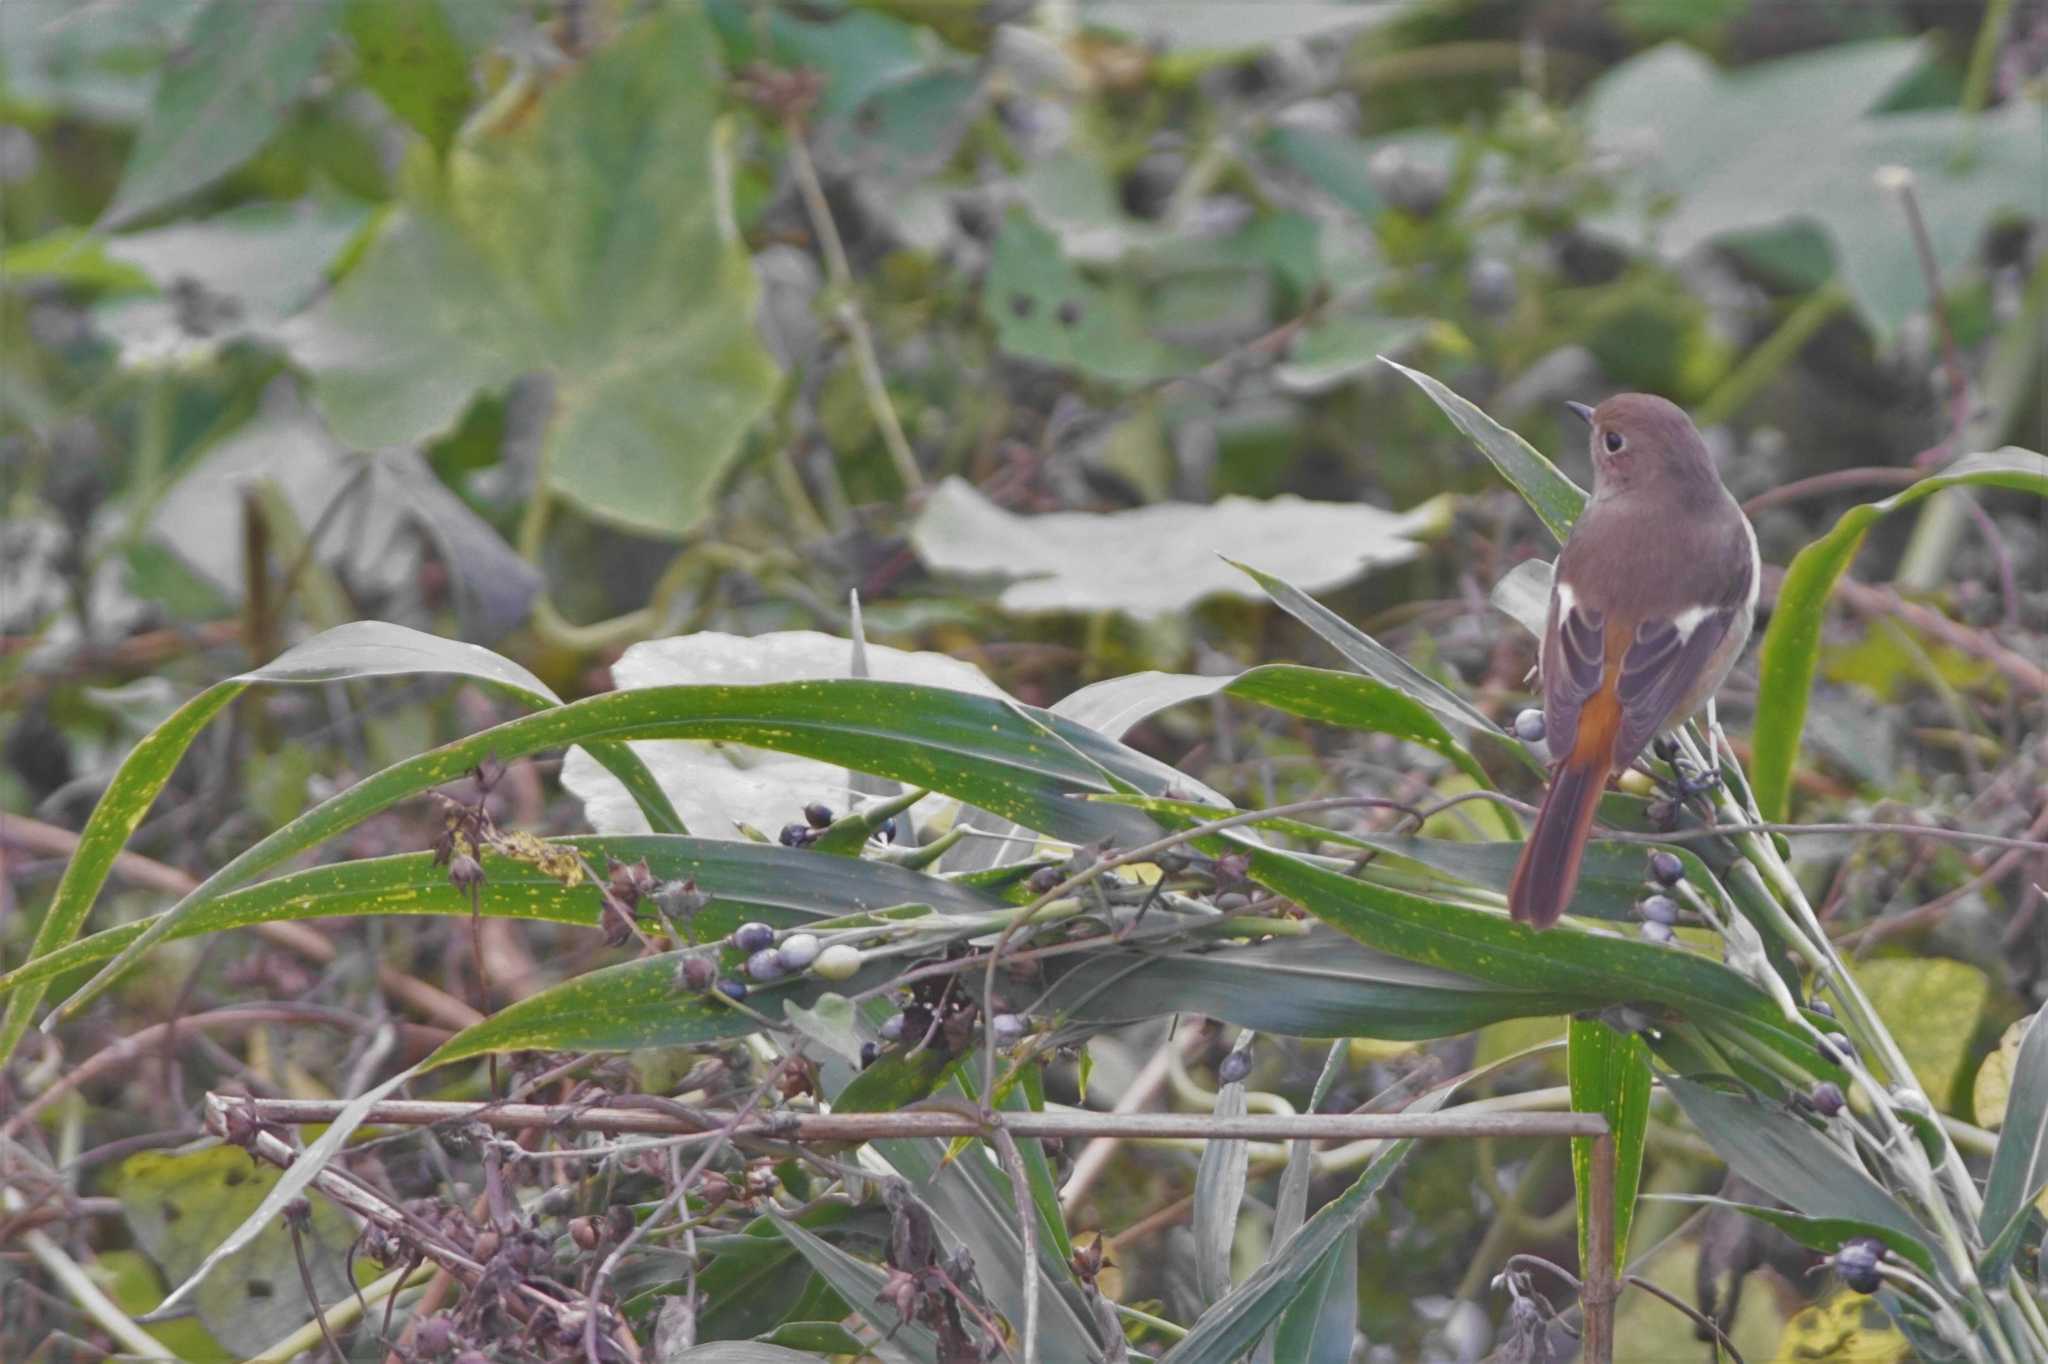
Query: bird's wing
[1656, 665]
[1574, 665]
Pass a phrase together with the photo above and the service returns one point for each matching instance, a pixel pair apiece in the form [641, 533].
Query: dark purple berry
[766, 965]
[868, 1052]
[733, 988]
[1044, 879]
[1235, 1067]
[1826, 1098]
[1665, 868]
[1837, 1048]
[795, 835]
[887, 831]
[695, 973]
[1529, 727]
[817, 814]
[751, 938]
[1857, 1263]
[1821, 1007]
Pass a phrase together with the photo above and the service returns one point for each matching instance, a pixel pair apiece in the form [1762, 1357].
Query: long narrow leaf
[860, 1283]
[357, 650]
[782, 886]
[1609, 1073]
[1219, 1188]
[2019, 1164]
[1791, 647]
[1596, 970]
[1819, 1233]
[1790, 1161]
[1231, 1327]
[1552, 496]
[992, 754]
[1367, 654]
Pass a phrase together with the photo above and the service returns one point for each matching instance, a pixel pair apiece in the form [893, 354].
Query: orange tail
[1548, 870]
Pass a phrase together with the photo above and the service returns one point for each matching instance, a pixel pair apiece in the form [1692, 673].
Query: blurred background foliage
[558, 325]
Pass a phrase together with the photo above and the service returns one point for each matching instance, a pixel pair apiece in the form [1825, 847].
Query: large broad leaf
[221, 96]
[361, 649]
[1158, 560]
[1787, 1159]
[1610, 1075]
[720, 786]
[1195, 25]
[1022, 764]
[1043, 309]
[2019, 1165]
[103, 71]
[265, 260]
[586, 244]
[1548, 492]
[1791, 645]
[410, 55]
[1707, 154]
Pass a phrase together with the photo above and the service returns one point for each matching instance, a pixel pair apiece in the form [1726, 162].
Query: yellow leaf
[1931, 1007]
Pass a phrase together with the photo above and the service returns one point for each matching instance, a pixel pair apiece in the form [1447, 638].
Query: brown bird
[1651, 603]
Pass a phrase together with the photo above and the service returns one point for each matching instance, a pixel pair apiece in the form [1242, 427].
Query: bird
[1650, 605]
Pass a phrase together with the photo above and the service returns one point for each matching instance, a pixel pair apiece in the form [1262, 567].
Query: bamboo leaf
[2019, 1164]
[1022, 764]
[1609, 1074]
[1791, 647]
[1553, 497]
[360, 649]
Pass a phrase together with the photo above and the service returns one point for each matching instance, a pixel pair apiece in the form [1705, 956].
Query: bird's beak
[1582, 412]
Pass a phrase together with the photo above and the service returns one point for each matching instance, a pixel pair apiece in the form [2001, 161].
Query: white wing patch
[1688, 620]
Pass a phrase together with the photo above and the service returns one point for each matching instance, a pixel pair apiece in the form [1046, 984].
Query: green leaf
[721, 787]
[1022, 764]
[361, 649]
[2019, 1163]
[1819, 1233]
[1610, 1075]
[1219, 1188]
[860, 1284]
[223, 93]
[1787, 1159]
[1367, 654]
[134, 789]
[1791, 646]
[586, 244]
[1706, 157]
[1321, 985]
[1553, 497]
[780, 886]
[1042, 309]
[753, 1277]
[1319, 1325]
[1931, 1005]
[1354, 702]
[414, 61]
[1596, 970]
[1233, 1326]
[1157, 560]
[634, 1005]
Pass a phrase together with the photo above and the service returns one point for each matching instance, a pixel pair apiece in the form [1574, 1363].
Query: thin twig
[848, 313]
[931, 1122]
[1932, 911]
[1027, 1226]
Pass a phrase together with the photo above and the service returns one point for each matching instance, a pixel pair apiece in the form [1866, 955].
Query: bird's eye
[1614, 442]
